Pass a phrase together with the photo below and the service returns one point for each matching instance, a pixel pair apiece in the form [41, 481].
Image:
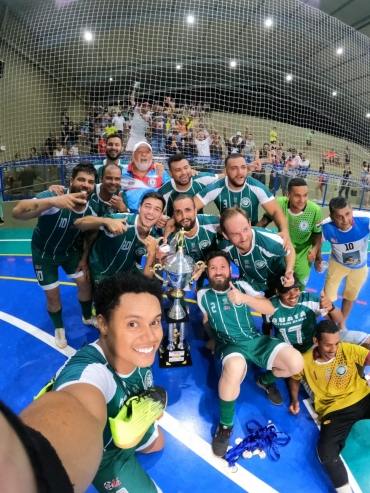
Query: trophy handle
[158, 267]
[200, 263]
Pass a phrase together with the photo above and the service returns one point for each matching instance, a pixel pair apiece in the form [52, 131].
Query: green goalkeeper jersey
[265, 260]
[302, 225]
[197, 183]
[89, 365]
[204, 241]
[111, 254]
[55, 234]
[296, 325]
[229, 322]
[249, 198]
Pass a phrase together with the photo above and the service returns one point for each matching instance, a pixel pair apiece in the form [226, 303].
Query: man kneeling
[225, 305]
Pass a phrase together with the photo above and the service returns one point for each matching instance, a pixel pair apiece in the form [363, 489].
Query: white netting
[227, 70]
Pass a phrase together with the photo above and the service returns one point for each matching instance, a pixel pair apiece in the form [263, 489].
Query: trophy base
[174, 358]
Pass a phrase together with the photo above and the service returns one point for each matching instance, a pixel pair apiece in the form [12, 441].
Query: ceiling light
[88, 36]
[190, 19]
[289, 77]
[178, 67]
[110, 79]
[268, 22]
[339, 51]
[334, 93]
[233, 64]
[367, 115]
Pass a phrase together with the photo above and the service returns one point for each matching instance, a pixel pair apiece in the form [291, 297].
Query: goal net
[274, 78]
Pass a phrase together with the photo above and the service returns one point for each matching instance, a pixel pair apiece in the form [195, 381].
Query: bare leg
[346, 310]
[156, 446]
[287, 362]
[232, 376]
[53, 303]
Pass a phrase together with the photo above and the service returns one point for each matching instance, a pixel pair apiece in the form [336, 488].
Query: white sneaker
[90, 321]
[60, 338]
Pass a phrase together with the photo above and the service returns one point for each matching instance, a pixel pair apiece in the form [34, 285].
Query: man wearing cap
[141, 175]
[139, 124]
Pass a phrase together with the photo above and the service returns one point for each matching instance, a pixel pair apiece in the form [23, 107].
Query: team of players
[276, 264]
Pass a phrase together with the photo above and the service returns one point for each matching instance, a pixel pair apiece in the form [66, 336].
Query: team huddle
[106, 232]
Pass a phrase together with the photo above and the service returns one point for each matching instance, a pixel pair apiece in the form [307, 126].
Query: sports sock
[227, 409]
[86, 307]
[267, 378]
[56, 318]
[344, 489]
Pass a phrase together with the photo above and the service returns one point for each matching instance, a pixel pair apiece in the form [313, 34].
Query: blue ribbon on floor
[266, 438]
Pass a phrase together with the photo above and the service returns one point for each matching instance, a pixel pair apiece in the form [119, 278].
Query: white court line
[243, 478]
[352, 481]
[10, 239]
[38, 333]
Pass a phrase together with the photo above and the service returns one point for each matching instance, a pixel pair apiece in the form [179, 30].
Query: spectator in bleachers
[174, 144]
[33, 153]
[304, 165]
[202, 143]
[158, 127]
[59, 151]
[50, 144]
[345, 183]
[26, 178]
[188, 145]
[264, 155]
[215, 147]
[367, 188]
[249, 149]
[84, 132]
[181, 124]
[290, 170]
[110, 129]
[273, 136]
[119, 123]
[321, 182]
[347, 155]
[237, 138]
[139, 123]
[309, 136]
[102, 145]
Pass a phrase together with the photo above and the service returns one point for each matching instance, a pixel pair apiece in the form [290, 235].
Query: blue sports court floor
[186, 465]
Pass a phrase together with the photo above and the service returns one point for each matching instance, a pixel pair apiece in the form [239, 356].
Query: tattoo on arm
[25, 210]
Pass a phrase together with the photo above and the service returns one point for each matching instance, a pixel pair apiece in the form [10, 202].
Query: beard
[235, 184]
[221, 285]
[189, 227]
[112, 156]
[142, 166]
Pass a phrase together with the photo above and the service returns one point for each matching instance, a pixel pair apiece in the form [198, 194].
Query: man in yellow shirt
[273, 136]
[341, 397]
[110, 129]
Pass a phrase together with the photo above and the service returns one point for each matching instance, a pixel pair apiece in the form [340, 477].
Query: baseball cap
[142, 143]
[238, 134]
[284, 289]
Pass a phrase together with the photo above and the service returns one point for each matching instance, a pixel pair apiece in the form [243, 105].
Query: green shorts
[120, 471]
[260, 350]
[302, 268]
[46, 268]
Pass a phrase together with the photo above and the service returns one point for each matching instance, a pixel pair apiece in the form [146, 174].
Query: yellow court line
[8, 278]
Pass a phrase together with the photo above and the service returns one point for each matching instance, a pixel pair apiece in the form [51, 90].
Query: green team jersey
[229, 322]
[249, 198]
[296, 325]
[104, 208]
[55, 234]
[89, 365]
[204, 241]
[111, 254]
[302, 225]
[265, 260]
[197, 183]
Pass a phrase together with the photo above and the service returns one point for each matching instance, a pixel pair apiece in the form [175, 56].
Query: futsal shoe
[90, 321]
[60, 338]
[272, 392]
[136, 417]
[220, 441]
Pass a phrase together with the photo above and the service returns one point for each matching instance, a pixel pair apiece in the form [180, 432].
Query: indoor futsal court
[30, 359]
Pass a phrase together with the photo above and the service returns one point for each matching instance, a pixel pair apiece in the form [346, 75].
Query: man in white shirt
[119, 122]
[304, 165]
[292, 163]
[202, 143]
[139, 124]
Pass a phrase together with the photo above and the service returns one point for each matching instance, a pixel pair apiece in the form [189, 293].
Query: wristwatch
[332, 308]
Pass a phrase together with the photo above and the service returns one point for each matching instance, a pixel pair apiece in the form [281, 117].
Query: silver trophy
[179, 270]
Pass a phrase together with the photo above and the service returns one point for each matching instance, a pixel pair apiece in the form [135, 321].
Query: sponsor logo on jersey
[126, 245]
[110, 485]
[341, 370]
[127, 183]
[148, 380]
[227, 307]
[204, 244]
[303, 226]
[140, 251]
[333, 240]
[259, 264]
[245, 202]
[152, 182]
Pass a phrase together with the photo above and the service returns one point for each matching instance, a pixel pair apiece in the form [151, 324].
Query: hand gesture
[197, 272]
[115, 226]
[311, 256]
[194, 172]
[162, 222]
[288, 278]
[117, 203]
[58, 189]
[151, 244]
[254, 166]
[159, 168]
[294, 407]
[70, 200]
[325, 303]
[170, 227]
[235, 296]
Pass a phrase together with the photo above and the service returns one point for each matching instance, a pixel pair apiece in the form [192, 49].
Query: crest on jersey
[245, 202]
[110, 485]
[148, 380]
[140, 251]
[259, 264]
[204, 244]
[303, 225]
[152, 182]
[236, 262]
[341, 370]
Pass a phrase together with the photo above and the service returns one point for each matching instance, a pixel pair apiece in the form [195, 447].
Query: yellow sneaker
[136, 416]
